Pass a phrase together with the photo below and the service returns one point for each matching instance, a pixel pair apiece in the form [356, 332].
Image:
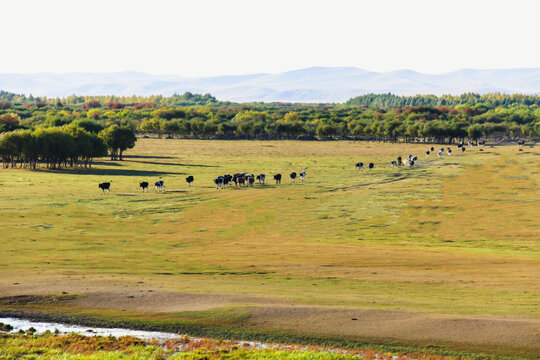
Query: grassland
[50, 346]
[454, 236]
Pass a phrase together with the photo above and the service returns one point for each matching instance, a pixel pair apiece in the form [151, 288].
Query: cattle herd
[239, 180]
[243, 179]
[412, 159]
[248, 180]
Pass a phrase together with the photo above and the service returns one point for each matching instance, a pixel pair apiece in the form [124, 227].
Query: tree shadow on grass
[106, 163]
[112, 172]
[148, 157]
[170, 163]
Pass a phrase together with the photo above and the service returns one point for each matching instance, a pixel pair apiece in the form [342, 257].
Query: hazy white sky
[218, 37]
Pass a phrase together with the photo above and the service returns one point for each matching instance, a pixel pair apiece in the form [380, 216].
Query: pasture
[451, 237]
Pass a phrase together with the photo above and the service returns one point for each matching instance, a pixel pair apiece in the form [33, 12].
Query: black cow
[463, 149]
[261, 178]
[427, 153]
[521, 143]
[432, 149]
[227, 179]
[159, 185]
[144, 186]
[237, 176]
[399, 162]
[219, 182]
[277, 177]
[250, 180]
[359, 166]
[105, 186]
[302, 176]
[393, 163]
[292, 176]
[241, 180]
[371, 166]
[189, 180]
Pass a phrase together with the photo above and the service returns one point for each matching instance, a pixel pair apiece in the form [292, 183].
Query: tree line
[190, 99]
[471, 99]
[443, 123]
[64, 146]
[185, 99]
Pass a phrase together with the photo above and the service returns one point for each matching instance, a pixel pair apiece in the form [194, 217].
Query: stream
[41, 327]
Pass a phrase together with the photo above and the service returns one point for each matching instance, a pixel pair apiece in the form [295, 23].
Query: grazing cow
[442, 149]
[460, 146]
[277, 177]
[414, 158]
[399, 162]
[463, 149]
[302, 176]
[292, 176]
[159, 185]
[251, 180]
[440, 153]
[427, 153]
[189, 180]
[360, 166]
[481, 143]
[144, 186]
[241, 180]
[449, 151]
[237, 176]
[521, 143]
[105, 186]
[261, 178]
[227, 179]
[411, 162]
[432, 149]
[219, 182]
[370, 166]
[393, 163]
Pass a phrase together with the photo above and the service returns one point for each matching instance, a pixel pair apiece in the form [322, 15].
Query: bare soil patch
[464, 331]
[272, 313]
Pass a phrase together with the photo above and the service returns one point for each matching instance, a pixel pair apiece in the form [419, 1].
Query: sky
[230, 37]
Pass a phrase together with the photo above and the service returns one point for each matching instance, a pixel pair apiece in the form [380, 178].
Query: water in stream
[20, 324]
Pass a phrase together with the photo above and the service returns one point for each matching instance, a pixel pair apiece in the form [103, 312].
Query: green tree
[89, 125]
[118, 140]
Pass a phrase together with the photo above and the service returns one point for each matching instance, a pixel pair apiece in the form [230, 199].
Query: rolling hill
[315, 84]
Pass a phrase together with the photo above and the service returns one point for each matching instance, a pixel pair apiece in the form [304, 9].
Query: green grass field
[453, 235]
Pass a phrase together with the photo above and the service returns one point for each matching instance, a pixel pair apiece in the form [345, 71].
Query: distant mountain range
[316, 84]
